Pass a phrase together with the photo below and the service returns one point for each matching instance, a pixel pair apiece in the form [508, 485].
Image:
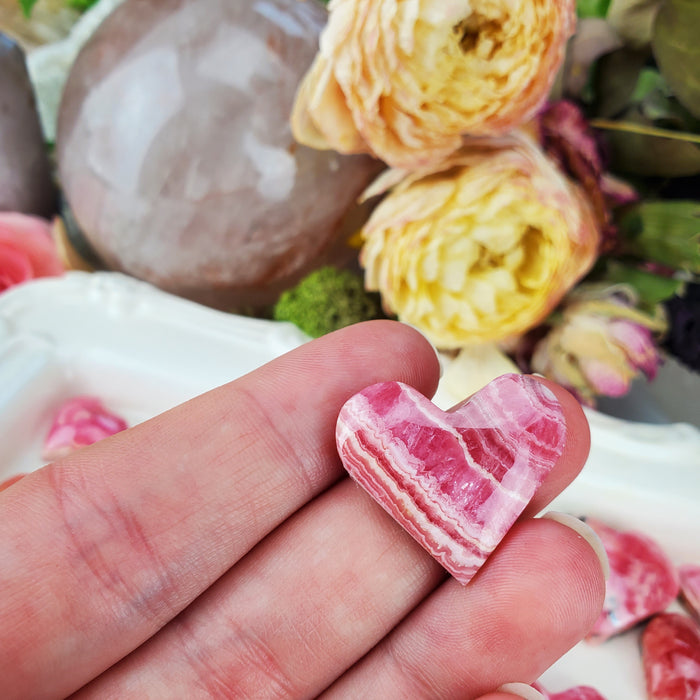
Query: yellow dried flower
[482, 247]
[405, 79]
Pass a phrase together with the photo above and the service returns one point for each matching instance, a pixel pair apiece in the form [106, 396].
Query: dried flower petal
[81, 421]
[568, 139]
[404, 81]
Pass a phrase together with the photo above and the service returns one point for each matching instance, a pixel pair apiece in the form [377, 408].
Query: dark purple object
[26, 185]
[683, 338]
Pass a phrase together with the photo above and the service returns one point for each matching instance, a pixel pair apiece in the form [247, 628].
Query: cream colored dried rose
[599, 343]
[405, 79]
[481, 248]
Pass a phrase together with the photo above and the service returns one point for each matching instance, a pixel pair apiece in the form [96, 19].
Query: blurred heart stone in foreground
[176, 155]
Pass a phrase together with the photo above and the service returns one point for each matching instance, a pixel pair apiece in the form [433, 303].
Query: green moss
[81, 5]
[27, 6]
[326, 300]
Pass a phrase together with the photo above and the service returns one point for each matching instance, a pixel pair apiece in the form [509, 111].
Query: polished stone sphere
[176, 156]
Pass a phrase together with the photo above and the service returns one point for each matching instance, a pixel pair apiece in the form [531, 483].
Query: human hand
[219, 550]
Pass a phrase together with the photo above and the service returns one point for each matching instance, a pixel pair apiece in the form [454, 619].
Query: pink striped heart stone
[455, 480]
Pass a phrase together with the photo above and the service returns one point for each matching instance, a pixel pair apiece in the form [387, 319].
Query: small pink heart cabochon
[455, 480]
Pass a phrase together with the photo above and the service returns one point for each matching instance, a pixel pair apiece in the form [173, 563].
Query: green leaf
[592, 8]
[658, 103]
[651, 289]
[677, 49]
[616, 76]
[633, 20]
[649, 81]
[27, 6]
[81, 5]
[667, 232]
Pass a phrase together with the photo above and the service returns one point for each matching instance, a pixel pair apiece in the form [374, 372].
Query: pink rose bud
[27, 250]
[81, 421]
[598, 345]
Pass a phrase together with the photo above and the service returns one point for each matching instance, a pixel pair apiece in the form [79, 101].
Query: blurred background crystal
[176, 156]
[26, 183]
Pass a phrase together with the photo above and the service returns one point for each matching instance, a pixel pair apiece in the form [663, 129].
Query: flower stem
[632, 128]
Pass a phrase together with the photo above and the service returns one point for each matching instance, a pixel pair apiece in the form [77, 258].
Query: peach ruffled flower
[599, 344]
[482, 247]
[27, 250]
[405, 79]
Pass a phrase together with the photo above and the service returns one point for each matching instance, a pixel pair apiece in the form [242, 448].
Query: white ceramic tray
[143, 351]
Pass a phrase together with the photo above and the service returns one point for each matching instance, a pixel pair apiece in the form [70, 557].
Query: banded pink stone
[689, 575]
[671, 657]
[643, 580]
[456, 480]
[79, 422]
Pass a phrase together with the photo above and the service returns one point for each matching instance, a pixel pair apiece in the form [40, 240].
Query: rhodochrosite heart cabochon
[455, 480]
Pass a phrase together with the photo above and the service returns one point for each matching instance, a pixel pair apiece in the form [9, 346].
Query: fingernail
[588, 534]
[435, 350]
[521, 690]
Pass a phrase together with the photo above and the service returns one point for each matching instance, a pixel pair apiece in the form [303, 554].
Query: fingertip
[518, 690]
[582, 564]
[577, 425]
[392, 347]
[574, 454]
[508, 695]
[587, 533]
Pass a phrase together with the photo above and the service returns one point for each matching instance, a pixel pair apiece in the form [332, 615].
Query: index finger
[100, 550]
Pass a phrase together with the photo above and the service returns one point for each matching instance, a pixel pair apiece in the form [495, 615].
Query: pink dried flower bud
[598, 345]
[569, 140]
[81, 421]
